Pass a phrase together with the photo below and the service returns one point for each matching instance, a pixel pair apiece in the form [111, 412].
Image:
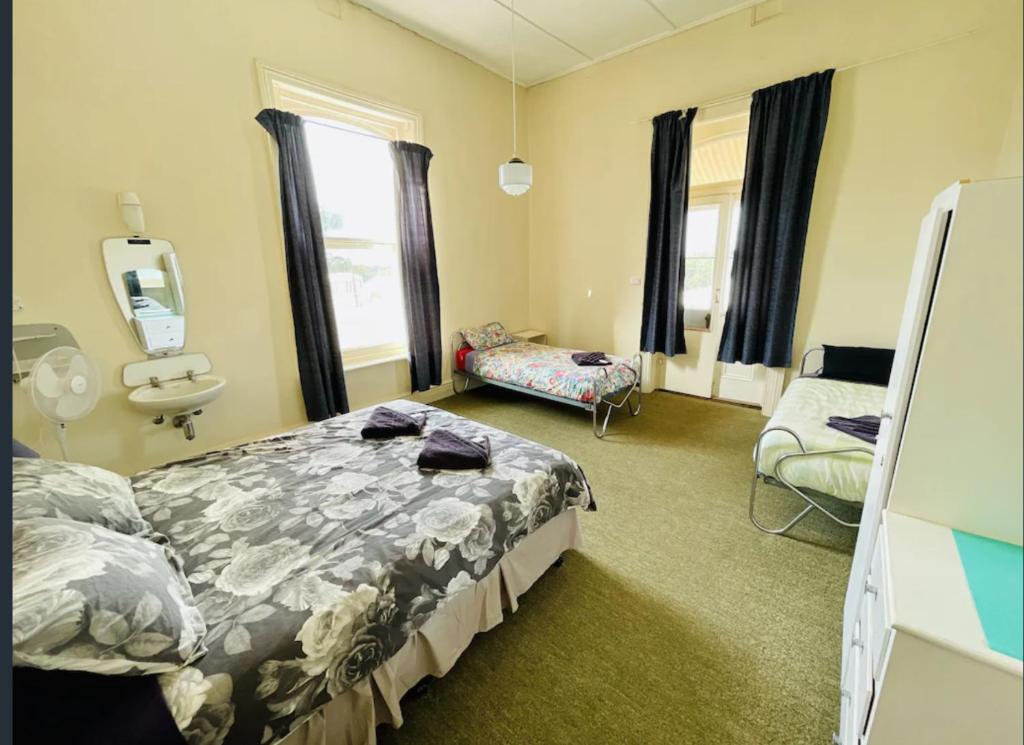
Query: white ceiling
[552, 37]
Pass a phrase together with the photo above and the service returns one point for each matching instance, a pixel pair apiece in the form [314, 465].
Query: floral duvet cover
[551, 370]
[314, 555]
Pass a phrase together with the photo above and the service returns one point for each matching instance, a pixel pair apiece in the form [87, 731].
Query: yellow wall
[899, 131]
[159, 98]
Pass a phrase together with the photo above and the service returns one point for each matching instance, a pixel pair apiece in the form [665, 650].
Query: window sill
[360, 364]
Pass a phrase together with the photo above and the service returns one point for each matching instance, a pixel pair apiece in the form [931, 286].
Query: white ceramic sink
[177, 396]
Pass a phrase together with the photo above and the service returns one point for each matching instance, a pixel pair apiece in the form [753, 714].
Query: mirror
[148, 287]
[149, 293]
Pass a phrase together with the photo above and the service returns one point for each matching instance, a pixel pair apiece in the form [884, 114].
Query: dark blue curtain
[661, 328]
[419, 263]
[787, 127]
[316, 338]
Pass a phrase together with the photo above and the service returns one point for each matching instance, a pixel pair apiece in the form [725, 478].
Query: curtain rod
[732, 98]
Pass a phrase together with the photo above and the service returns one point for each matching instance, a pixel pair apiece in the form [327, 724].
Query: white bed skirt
[352, 718]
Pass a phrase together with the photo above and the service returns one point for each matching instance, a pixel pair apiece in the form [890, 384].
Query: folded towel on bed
[447, 450]
[592, 359]
[862, 427]
[384, 423]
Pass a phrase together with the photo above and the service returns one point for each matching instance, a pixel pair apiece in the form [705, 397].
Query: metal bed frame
[779, 479]
[612, 401]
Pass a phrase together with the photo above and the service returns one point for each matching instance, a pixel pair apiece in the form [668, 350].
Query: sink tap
[191, 375]
[155, 382]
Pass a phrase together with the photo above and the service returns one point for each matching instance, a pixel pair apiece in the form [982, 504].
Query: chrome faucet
[155, 381]
[191, 375]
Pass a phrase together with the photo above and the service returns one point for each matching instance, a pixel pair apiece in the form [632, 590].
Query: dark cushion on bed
[22, 451]
[858, 364]
[59, 706]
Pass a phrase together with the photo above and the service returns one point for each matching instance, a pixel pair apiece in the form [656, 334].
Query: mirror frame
[121, 255]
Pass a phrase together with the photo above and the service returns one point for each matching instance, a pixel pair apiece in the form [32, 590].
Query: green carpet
[678, 623]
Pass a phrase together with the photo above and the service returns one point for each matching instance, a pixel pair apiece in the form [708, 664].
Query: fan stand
[62, 438]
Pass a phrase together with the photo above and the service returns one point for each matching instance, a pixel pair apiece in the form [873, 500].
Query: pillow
[22, 451]
[858, 364]
[486, 337]
[87, 598]
[74, 491]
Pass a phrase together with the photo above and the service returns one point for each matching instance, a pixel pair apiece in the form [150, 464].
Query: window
[699, 277]
[717, 165]
[348, 139]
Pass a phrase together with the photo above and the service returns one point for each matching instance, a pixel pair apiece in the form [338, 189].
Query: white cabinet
[948, 456]
[933, 678]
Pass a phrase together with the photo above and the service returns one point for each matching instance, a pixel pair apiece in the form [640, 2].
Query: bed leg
[557, 563]
[774, 531]
[638, 386]
[465, 384]
[599, 433]
[639, 401]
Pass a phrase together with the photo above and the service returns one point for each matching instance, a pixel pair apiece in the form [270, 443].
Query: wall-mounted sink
[172, 397]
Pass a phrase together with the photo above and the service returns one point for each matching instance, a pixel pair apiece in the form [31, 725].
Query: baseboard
[436, 393]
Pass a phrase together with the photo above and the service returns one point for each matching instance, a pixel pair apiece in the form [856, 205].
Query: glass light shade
[515, 177]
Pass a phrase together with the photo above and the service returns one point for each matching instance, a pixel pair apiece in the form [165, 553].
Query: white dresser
[917, 665]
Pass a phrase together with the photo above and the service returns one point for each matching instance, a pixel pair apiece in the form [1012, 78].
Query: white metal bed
[797, 451]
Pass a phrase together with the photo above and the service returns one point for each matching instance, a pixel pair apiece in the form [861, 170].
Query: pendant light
[515, 177]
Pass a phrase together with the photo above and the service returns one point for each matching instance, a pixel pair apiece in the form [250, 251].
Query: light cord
[514, 139]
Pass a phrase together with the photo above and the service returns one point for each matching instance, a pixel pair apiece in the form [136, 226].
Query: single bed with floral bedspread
[314, 555]
[550, 372]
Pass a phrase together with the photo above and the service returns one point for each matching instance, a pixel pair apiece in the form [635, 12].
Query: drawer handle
[870, 589]
[845, 693]
[857, 643]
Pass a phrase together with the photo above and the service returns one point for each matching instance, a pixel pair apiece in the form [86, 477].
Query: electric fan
[64, 385]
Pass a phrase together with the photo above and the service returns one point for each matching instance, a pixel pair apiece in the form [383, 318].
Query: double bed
[798, 451]
[549, 372]
[332, 573]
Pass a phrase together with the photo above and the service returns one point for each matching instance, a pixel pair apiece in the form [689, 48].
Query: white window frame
[312, 99]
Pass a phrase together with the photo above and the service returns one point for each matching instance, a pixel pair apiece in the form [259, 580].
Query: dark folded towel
[384, 423]
[447, 450]
[592, 359]
[862, 427]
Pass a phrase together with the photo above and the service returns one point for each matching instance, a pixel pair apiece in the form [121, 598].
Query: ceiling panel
[690, 12]
[596, 27]
[552, 36]
[482, 31]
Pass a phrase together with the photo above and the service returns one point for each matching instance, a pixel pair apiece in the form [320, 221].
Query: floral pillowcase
[486, 337]
[74, 491]
[88, 598]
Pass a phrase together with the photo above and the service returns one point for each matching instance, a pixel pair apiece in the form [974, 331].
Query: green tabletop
[995, 574]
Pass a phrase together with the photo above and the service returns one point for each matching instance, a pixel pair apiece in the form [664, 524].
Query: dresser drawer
[875, 611]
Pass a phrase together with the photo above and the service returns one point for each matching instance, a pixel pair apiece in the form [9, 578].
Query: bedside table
[531, 335]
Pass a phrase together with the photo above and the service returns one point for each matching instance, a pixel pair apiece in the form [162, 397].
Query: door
[707, 238]
[711, 227]
[735, 382]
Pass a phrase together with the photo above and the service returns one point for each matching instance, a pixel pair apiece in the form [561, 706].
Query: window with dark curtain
[661, 327]
[787, 128]
[319, 356]
[419, 263]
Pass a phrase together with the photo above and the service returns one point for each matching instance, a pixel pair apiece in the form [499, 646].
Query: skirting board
[436, 393]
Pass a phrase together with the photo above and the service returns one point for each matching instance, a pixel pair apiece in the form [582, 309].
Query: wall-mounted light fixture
[131, 212]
